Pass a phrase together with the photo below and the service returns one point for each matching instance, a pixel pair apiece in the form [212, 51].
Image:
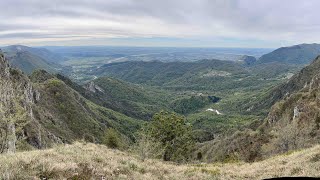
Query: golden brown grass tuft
[91, 161]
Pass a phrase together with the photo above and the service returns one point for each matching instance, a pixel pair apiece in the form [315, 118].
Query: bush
[113, 139]
[174, 135]
[54, 83]
[89, 138]
[147, 147]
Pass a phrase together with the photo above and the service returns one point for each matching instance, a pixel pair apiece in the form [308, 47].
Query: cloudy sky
[195, 23]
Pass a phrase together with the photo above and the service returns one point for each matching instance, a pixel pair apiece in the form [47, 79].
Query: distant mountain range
[29, 59]
[41, 52]
[298, 54]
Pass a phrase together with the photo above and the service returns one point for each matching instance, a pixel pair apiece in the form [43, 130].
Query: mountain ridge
[294, 84]
[293, 123]
[46, 111]
[29, 59]
[298, 54]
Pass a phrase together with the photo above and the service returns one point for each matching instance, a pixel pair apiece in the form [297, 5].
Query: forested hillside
[45, 111]
[292, 123]
[297, 54]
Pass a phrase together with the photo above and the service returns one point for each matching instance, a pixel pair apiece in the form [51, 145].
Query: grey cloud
[295, 20]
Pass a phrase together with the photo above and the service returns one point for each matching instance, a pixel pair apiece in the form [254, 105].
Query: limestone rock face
[92, 87]
[4, 66]
[17, 97]
[41, 110]
[295, 120]
[295, 112]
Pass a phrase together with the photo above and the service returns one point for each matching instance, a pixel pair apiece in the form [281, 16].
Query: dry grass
[300, 163]
[87, 161]
[90, 161]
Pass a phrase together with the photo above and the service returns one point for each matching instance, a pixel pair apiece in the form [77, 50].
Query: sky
[171, 23]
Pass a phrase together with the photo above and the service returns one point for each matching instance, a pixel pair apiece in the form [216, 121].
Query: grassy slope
[91, 161]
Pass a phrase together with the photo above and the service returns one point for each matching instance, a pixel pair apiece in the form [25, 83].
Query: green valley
[194, 111]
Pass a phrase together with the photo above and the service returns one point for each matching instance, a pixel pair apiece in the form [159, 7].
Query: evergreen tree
[174, 134]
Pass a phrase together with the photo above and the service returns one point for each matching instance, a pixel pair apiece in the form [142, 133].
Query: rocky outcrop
[42, 110]
[4, 66]
[92, 87]
[294, 121]
[18, 97]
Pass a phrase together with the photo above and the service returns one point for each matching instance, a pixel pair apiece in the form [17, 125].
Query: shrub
[113, 139]
[54, 83]
[147, 147]
[89, 138]
[174, 135]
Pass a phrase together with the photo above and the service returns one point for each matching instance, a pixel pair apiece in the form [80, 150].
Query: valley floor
[91, 161]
